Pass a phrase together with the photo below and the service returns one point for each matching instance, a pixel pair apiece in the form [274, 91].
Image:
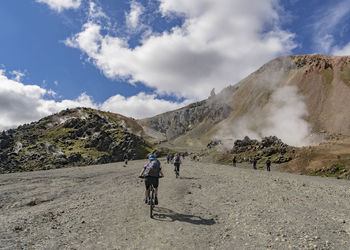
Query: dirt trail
[101, 207]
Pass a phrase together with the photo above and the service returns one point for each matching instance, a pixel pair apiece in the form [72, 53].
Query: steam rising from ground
[285, 117]
[282, 114]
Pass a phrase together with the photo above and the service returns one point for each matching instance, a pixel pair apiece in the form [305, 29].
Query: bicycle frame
[151, 200]
[152, 196]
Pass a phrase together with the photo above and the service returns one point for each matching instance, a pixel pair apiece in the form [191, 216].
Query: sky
[140, 58]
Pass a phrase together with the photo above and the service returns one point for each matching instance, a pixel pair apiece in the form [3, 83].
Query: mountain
[73, 137]
[185, 125]
[300, 99]
[304, 100]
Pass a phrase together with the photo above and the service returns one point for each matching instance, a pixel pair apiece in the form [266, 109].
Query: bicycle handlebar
[142, 177]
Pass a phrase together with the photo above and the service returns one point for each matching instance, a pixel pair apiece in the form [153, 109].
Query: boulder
[75, 157]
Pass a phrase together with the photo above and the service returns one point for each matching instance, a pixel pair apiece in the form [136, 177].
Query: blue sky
[141, 58]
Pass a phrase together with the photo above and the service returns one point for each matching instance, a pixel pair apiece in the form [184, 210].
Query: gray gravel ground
[209, 207]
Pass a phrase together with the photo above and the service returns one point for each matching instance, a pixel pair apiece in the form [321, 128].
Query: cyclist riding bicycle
[152, 171]
[177, 162]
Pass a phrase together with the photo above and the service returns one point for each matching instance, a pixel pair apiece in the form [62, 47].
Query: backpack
[177, 159]
[152, 169]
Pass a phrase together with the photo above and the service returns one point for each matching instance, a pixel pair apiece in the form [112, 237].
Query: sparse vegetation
[328, 75]
[72, 137]
[245, 150]
[338, 170]
[345, 76]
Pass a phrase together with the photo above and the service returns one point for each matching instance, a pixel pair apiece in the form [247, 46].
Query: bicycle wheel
[151, 202]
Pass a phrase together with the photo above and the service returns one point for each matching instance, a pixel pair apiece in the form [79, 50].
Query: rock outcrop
[72, 137]
[271, 146]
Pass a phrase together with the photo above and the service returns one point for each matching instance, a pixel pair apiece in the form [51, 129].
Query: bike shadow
[165, 214]
[188, 178]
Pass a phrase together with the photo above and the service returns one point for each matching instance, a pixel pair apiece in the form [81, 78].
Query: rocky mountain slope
[72, 137]
[303, 100]
[319, 84]
[190, 121]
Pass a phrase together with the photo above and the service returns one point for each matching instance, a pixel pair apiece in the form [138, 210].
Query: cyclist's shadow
[165, 214]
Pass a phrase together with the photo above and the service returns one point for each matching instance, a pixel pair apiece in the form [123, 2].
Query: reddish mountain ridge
[303, 100]
[291, 96]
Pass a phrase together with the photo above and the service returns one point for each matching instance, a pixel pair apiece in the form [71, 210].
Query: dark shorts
[151, 181]
[177, 166]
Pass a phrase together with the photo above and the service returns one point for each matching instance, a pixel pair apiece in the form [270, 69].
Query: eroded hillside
[292, 97]
[72, 137]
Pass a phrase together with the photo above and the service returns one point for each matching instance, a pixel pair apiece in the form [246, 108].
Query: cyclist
[152, 171]
[177, 162]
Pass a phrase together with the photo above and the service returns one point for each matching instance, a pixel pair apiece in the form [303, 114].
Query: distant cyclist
[152, 171]
[177, 162]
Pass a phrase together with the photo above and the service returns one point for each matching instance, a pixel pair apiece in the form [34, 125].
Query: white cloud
[21, 103]
[51, 93]
[140, 106]
[327, 25]
[219, 43]
[60, 5]
[344, 51]
[18, 75]
[96, 14]
[133, 17]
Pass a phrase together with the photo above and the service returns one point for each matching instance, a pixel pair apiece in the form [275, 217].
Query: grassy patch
[142, 151]
[328, 75]
[338, 170]
[345, 76]
[55, 134]
[117, 136]
[225, 159]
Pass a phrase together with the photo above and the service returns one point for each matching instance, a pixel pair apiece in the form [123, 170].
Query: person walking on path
[168, 158]
[268, 164]
[234, 161]
[177, 162]
[126, 158]
[254, 162]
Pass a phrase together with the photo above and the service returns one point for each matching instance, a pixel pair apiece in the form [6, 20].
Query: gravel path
[209, 207]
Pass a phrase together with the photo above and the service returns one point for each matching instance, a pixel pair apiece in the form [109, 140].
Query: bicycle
[152, 196]
[177, 170]
[176, 173]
